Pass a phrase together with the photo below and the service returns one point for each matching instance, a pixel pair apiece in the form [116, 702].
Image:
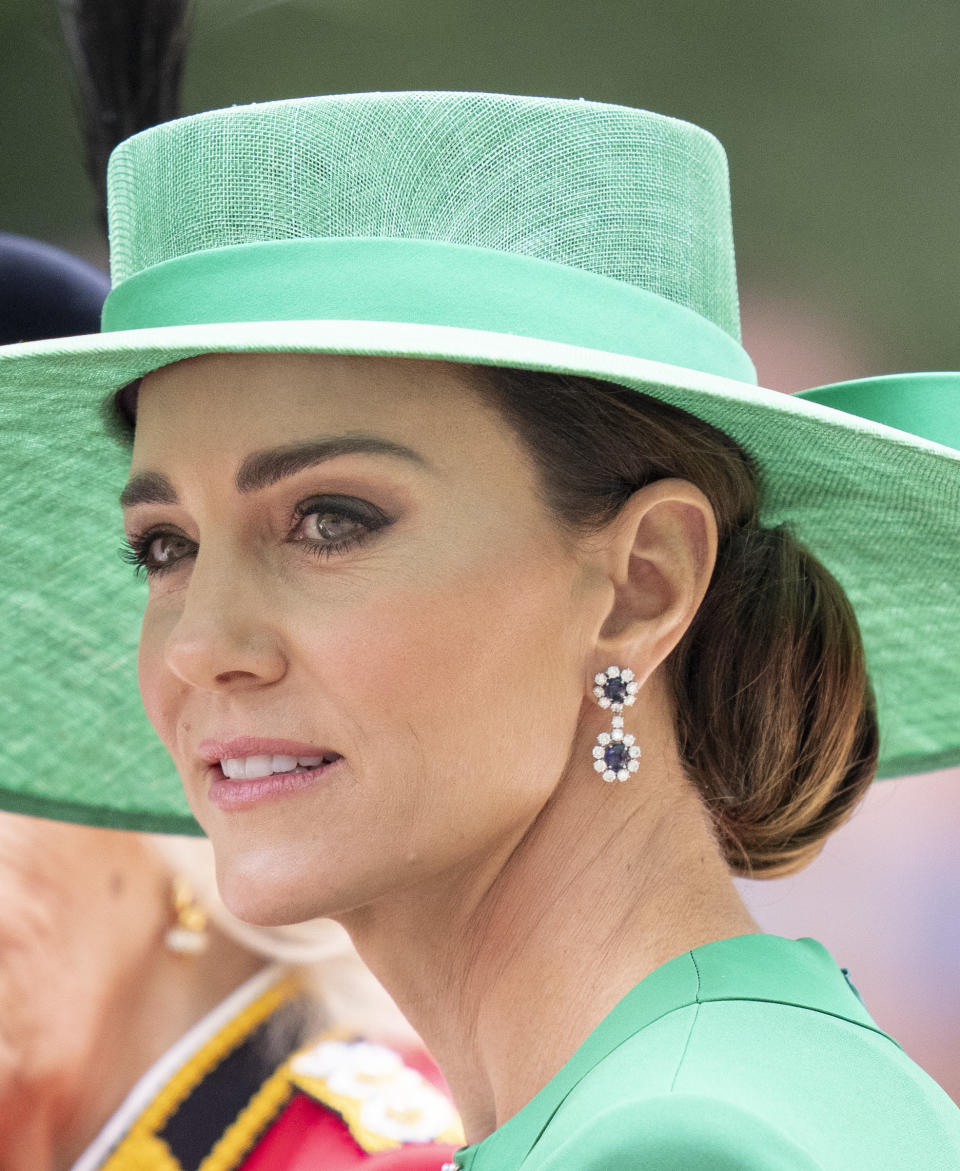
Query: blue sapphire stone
[616, 756]
[615, 690]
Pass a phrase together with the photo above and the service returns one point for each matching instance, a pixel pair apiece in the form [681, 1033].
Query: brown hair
[775, 718]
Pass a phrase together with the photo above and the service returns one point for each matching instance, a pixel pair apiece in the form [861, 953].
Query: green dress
[750, 1054]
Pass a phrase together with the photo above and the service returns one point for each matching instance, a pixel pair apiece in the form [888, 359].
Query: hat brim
[877, 505]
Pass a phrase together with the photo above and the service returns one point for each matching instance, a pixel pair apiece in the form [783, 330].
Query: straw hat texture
[566, 236]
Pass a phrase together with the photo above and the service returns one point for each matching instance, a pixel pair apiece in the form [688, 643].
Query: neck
[508, 966]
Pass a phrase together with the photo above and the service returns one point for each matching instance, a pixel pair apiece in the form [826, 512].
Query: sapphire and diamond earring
[615, 754]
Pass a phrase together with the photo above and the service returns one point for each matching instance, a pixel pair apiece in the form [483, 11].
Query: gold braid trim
[142, 1149]
[240, 1136]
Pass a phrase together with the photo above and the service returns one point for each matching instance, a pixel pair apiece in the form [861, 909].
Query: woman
[479, 617]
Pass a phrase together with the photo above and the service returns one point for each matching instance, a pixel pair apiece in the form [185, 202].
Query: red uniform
[242, 1092]
[308, 1136]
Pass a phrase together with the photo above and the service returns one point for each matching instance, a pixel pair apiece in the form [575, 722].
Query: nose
[225, 636]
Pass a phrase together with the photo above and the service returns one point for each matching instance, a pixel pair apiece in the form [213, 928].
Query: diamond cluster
[615, 754]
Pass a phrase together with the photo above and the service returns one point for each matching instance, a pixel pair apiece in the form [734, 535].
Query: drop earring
[615, 753]
[188, 934]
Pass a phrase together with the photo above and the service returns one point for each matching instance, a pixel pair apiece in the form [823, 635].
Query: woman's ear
[659, 554]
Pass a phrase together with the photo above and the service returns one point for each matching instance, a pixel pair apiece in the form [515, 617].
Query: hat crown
[622, 193]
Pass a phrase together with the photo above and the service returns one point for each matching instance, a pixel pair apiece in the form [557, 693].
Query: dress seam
[686, 1044]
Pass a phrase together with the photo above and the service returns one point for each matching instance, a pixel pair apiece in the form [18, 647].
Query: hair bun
[776, 718]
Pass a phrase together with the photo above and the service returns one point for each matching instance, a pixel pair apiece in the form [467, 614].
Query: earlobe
[660, 552]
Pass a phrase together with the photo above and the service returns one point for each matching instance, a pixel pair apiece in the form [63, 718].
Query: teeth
[246, 768]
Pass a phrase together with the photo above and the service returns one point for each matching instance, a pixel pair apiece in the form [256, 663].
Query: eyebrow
[260, 469]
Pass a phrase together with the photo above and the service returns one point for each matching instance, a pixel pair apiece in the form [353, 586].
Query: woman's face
[349, 558]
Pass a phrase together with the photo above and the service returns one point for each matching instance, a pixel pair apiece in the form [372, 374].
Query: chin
[271, 888]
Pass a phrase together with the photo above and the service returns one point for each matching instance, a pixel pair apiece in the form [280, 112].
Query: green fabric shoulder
[752, 1084]
[748, 1054]
[676, 1132]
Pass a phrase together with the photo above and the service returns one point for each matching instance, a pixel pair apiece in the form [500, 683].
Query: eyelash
[136, 548]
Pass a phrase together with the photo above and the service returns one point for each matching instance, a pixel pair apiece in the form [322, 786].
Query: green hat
[566, 236]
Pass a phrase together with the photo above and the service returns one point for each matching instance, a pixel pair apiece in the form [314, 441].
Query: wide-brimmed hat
[565, 236]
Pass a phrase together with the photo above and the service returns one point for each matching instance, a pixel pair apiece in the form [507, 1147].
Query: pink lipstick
[244, 771]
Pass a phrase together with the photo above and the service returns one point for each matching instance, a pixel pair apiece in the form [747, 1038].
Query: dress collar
[749, 967]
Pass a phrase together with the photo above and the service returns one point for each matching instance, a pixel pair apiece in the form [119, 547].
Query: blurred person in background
[144, 1027]
[45, 292]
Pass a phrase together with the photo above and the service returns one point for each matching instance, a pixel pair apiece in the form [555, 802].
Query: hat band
[422, 282]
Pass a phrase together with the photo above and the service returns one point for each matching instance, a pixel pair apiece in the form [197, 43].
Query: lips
[240, 747]
[242, 771]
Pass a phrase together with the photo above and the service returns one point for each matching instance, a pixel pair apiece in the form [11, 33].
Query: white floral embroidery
[352, 1068]
[409, 1110]
[377, 1093]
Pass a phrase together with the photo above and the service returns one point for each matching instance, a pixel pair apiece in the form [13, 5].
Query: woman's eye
[166, 549]
[154, 552]
[328, 525]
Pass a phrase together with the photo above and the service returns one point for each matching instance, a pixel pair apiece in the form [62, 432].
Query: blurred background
[840, 119]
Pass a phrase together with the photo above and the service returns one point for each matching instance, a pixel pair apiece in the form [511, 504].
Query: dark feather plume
[128, 58]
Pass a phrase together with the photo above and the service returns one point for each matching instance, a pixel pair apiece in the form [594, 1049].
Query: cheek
[158, 688]
[471, 650]
[473, 679]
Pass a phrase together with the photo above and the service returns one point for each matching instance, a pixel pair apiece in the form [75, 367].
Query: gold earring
[188, 935]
